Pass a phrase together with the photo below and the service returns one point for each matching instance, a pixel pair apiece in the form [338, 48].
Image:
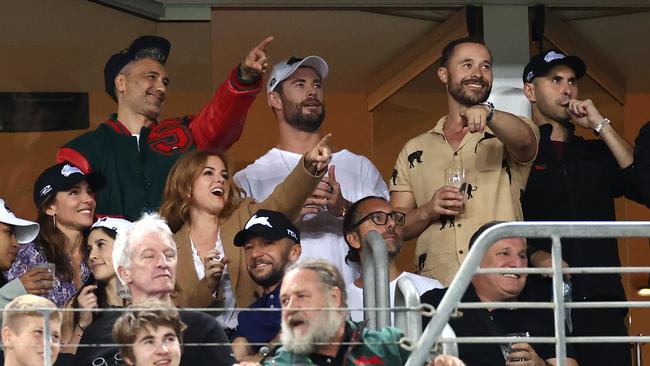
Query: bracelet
[602, 124]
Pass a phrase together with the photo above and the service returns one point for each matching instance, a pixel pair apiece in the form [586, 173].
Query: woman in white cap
[102, 294]
[64, 197]
[15, 231]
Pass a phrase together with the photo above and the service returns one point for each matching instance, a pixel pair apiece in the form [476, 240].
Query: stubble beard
[467, 99]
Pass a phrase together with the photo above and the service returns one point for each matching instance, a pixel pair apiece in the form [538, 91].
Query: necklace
[285, 161]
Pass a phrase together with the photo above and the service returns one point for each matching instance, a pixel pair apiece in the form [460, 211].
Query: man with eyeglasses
[375, 213]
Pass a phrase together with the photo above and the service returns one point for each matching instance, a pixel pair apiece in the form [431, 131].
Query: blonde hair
[178, 188]
[27, 305]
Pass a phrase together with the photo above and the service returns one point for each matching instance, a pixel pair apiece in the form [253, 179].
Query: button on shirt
[261, 326]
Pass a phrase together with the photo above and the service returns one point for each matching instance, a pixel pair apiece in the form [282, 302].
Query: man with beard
[271, 242]
[145, 259]
[494, 148]
[375, 213]
[574, 179]
[295, 94]
[324, 337]
[134, 149]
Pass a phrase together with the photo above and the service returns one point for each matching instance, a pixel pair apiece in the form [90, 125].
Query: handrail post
[406, 294]
[558, 300]
[368, 275]
[638, 352]
[47, 352]
[379, 252]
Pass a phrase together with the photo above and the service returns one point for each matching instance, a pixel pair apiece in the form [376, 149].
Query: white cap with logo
[26, 231]
[282, 70]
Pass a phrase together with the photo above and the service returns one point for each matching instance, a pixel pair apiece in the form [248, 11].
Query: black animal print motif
[446, 219]
[413, 157]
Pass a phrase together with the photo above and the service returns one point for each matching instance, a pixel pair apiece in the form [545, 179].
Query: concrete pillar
[505, 31]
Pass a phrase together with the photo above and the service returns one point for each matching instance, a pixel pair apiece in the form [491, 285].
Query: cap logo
[294, 60]
[553, 56]
[530, 75]
[263, 220]
[273, 81]
[292, 234]
[7, 208]
[67, 170]
[47, 189]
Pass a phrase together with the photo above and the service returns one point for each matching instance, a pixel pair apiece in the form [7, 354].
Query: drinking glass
[456, 177]
[506, 348]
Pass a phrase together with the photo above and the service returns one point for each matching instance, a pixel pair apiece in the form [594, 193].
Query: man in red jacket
[133, 149]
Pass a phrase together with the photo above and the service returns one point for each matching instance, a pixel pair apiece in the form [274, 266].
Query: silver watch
[491, 112]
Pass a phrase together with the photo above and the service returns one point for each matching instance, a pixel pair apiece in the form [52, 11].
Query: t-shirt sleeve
[399, 179]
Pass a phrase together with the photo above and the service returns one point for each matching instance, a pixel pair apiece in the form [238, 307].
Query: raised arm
[518, 136]
[220, 123]
[289, 196]
[585, 114]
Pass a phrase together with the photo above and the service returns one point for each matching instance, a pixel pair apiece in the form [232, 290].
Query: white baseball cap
[26, 231]
[286, 68]
[120, 226]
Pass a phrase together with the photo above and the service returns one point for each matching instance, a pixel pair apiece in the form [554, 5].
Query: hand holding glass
[455, 177]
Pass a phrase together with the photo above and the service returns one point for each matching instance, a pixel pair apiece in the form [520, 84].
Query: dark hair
[351, 218]
[481, 230]
[448, 51]
[52, 241]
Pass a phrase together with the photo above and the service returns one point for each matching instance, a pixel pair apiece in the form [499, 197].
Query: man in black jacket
[145, 260]
[577, 179]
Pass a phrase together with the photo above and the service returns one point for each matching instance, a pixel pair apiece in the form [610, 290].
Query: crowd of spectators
[143, 220]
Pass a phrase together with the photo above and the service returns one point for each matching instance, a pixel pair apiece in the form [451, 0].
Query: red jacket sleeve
[221, 122]
[73, 156]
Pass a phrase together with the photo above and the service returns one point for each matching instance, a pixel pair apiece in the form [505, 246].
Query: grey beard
[322, 329]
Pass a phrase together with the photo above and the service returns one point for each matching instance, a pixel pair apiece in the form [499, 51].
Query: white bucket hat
[26, 231]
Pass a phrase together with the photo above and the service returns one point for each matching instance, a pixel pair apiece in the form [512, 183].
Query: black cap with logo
[270, 225]
[116, 62]
[61, 177]
[542, 63]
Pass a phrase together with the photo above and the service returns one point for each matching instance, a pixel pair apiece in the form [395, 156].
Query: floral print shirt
[30, 254]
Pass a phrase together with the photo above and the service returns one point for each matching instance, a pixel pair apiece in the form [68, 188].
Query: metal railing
[553, 230]
[376, 290]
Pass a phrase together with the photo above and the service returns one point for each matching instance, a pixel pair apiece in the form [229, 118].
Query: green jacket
[378, 348]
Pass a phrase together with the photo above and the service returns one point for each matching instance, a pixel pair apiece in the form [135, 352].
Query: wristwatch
[491, 112]
[599, 127]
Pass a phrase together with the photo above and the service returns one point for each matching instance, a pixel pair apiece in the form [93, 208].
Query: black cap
[116, 62]
[61, 177]
[270, 225]
[541, 64]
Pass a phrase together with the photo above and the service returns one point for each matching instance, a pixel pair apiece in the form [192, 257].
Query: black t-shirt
[498, 322]
[201, 328]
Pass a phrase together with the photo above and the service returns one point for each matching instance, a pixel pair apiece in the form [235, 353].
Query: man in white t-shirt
[295, 94]
[375, 213]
